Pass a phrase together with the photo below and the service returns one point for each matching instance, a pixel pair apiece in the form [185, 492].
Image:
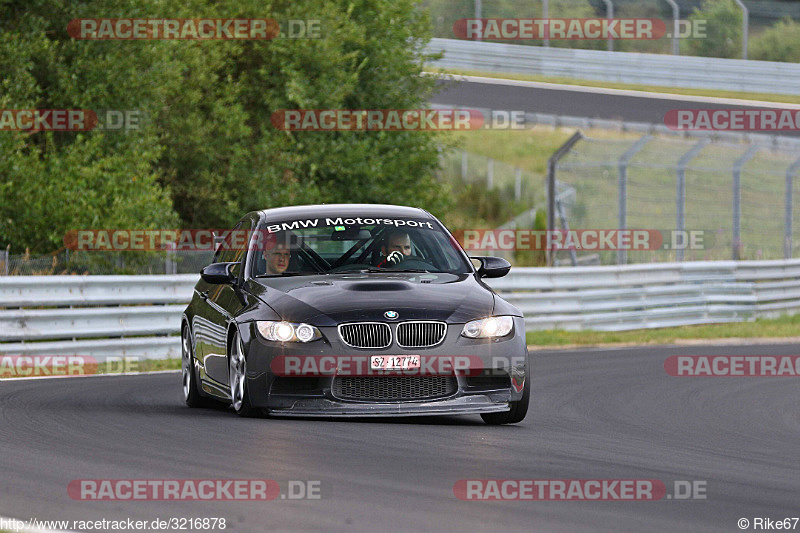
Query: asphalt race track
[595, 414]
[574, 102]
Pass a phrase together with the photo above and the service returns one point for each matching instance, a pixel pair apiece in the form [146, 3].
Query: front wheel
[191, 392]
[518, 409]
[237, 377]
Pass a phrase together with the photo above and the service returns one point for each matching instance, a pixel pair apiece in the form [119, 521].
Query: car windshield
[331, 245]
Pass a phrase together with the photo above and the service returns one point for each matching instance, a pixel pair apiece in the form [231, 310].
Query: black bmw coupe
[352, 311]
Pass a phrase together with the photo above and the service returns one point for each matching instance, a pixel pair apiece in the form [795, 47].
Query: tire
[237, 379]
[189, 380]
[518, 409]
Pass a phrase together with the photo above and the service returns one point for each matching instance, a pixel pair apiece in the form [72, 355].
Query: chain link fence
[500, 191]
[445, 13]
[739, 198]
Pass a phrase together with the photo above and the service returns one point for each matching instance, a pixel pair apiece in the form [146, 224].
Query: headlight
[287, 331]
[494, 326]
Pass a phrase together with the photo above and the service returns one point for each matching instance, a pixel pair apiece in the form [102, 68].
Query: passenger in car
[277, 259]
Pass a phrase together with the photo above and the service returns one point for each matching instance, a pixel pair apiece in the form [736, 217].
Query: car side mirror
[218, 273]
[492, 267]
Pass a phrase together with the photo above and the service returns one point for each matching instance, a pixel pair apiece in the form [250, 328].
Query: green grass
[143, 365]
[766, 97]
[785, 326]
[126, 365]
[591, 168]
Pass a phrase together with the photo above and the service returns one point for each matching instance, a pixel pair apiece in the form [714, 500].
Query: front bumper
[464, 405]
[315, 397]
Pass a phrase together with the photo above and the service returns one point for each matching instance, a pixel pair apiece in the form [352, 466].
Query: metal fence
[612, 298]
[97, 316]
[624, 67]
[444, 13]
[508, 192]
[139, 316]
[739, 197]
[738, 189]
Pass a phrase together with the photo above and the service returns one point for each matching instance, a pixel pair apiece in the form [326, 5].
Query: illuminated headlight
[287, 331]
[494, 326]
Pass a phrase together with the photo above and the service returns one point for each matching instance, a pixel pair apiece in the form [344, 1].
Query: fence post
[745, 26]
[609, 16]
[622, 192]
[478, 15]
[517, 184]
[737, 200]
[573, 256]
[787, 221]
[680, 196]
[6, 255]
[170, 265]
[676, 13]
[551, 184]
[546, 14]
[490, 174]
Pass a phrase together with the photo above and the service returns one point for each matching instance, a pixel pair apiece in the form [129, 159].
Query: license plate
[393, 362]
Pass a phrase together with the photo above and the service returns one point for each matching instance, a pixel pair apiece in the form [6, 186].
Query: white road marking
[93, 375]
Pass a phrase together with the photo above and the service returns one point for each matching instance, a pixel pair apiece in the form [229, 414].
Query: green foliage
[723, 30]
[781, 42]
[444, 13]
[208, 152]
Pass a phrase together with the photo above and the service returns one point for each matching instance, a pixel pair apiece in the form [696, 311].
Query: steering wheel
[415, 262]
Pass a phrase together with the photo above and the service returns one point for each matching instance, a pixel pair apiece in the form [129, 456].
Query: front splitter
[319, 407]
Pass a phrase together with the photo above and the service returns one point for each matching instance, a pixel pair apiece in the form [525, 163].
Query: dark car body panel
[327, 300]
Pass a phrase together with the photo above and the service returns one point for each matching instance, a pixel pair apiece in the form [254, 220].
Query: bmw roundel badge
[391, 315]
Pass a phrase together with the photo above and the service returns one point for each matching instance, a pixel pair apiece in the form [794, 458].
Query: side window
[234, 245]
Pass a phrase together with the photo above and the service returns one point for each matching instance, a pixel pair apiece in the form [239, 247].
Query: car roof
[343, 210]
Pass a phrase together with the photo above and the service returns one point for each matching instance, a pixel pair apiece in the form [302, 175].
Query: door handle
[204, 295]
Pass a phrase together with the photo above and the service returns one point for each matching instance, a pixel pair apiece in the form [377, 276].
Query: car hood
[327, 300]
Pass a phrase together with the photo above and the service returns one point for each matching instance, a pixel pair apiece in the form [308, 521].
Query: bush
[781, 42]
[209, 152]
[723, 30]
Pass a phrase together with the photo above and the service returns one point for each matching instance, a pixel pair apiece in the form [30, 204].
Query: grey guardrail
[139, 316]
[624, 67]
[613, 298]
[97, 316]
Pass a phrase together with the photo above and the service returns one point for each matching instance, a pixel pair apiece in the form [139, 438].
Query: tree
[781, 42]
[723, 22]
[208, 152]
